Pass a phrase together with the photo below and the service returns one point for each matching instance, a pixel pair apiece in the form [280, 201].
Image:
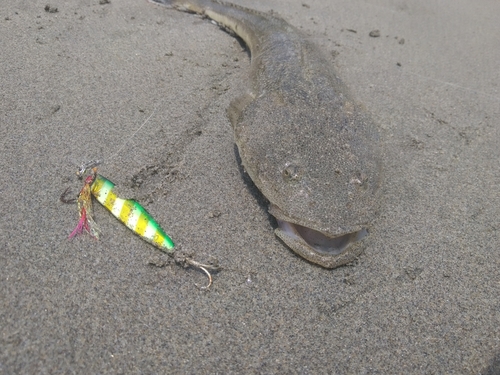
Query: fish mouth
[317, 246]
[319, 241]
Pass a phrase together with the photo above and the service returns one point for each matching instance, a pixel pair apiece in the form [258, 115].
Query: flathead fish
[311, 149]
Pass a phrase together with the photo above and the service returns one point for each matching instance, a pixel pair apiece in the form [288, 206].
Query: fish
[311, 149]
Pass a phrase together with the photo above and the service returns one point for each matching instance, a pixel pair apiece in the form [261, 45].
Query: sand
[77, 83]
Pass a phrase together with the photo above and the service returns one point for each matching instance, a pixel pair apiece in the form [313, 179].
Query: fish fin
[191, 6]
[237, 107]
[167, 3]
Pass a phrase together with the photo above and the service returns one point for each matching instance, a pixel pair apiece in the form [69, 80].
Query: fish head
[321, 173]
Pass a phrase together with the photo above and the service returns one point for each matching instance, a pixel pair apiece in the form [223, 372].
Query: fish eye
[291, 172]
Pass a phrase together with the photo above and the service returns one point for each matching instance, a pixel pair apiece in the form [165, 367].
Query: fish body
[309, 148]
[131, 213]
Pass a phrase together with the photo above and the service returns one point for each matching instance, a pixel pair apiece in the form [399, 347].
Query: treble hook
[204, 268]
[63, 198]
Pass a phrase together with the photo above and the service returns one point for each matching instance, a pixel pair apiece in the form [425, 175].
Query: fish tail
[132, 214]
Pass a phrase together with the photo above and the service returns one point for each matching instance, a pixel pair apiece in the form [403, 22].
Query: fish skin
[311, 149]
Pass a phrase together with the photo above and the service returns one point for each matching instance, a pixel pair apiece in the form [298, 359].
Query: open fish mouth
[319, 247]
[319, 241]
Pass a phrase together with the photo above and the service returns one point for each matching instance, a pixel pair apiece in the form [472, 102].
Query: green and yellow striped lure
[131, 213]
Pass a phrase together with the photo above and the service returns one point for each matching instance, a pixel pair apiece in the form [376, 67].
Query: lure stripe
[141, 225]
[124, 213]
[131, 213]
[117, 207]
[133, 218]
[150, 231]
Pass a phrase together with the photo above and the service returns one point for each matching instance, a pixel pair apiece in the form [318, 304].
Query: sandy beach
[79, 78]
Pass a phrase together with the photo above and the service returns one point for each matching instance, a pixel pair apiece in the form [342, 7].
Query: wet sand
[77, 83]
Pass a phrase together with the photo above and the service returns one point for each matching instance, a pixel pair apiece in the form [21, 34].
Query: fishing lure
[86, 221]
[129, 212]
